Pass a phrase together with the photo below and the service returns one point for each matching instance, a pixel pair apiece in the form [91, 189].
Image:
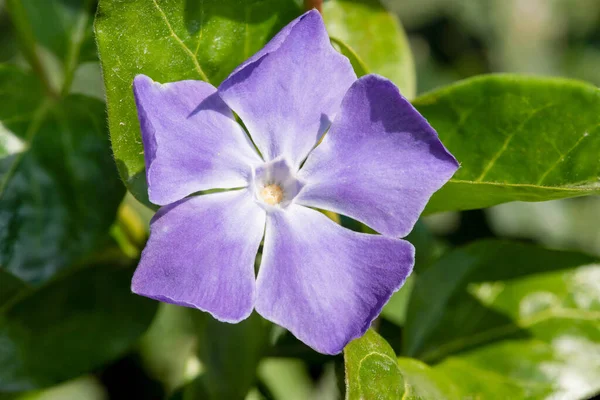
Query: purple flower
[379, 163]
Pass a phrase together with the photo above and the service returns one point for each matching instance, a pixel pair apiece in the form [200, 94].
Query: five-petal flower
[379, 163]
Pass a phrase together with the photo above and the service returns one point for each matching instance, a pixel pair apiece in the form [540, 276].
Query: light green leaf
[423, 382]
[171, 41]
[517, 138]
[84, 388]
[70, 326]
[373, 39]
[373, 372]
[524, 318]
[59, 194]
[371, 369]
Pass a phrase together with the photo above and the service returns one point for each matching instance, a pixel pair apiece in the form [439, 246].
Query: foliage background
[67, 252]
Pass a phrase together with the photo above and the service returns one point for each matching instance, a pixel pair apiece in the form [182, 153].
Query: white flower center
[274, 184]
[272, 194]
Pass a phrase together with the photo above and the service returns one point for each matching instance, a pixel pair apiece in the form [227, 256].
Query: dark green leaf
[70, 326]
[168, 345]
[428, 249]
[373, 39]
[10, 286]
[171, 41]
[525, 318]
[230, 354]
[59, 189]
[55, 36]
[517, 138]
[373, 372]
[60, 24]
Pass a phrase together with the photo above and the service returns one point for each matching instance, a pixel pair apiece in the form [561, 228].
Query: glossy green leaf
[60, 191]
[373, 372]
[371, 369]
[171, 41]
[230, 354]
[516, 138]
[373, 39]
[524, 318]
[70, 326]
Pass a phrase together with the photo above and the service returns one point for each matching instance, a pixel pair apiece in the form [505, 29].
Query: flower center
[272, 194]
[274, 185]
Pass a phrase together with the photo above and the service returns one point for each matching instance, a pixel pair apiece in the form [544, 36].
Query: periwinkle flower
[379, 163]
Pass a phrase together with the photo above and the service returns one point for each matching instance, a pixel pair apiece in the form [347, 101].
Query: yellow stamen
[272, 194]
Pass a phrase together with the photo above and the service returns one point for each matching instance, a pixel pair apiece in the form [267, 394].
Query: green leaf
[373, 372]
[70, 326]
[423, 382]
[517, 138]
[428, 249]
[169, 345]
[373, 39]
[230, 354]
[10, 286]
[371, 369]
[60, 192]
[84, 388]
[171, 41]
[55, 37]
[523, 318]
[60, 25]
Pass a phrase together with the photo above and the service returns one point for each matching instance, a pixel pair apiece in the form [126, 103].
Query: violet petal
[201, 254]
[379, 163]
[191, 140]
[323, 282]
[288, 96]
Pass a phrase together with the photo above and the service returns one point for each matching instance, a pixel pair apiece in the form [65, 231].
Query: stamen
[272, 194]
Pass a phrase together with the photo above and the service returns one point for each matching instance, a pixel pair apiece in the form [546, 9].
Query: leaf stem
[27, 39]
[310, 4]
[77, 37]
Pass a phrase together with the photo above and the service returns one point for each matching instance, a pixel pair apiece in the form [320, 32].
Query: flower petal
[379, 163]
[289, 94]
[191, 141]
[201, 254]
[323, 282]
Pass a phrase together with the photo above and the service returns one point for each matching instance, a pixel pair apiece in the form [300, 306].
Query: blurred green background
[450, 40]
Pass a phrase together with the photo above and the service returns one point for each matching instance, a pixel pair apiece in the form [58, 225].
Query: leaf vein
[181, 43]
[562, 157]
[507, 141]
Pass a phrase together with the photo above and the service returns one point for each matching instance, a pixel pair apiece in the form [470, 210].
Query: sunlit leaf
[373, 39]
[516, 138]
[172, 41]
[524, 318]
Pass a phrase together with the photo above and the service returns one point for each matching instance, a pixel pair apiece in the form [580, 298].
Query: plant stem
[310, 4]
[27, 38]
[77, 37]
